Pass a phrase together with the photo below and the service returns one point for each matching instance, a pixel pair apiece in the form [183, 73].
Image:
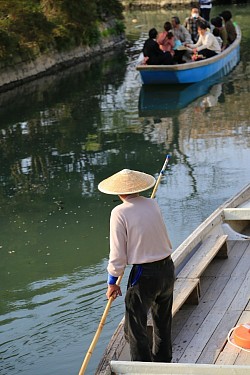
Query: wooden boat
[211, 297]
[194, 71]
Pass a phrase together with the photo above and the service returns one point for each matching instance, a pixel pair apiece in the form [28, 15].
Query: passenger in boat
[217, 22]
[182, 36]
[205, 9]
[165, 39]
[190, 24]
[138, 236]
[231, 30]
[216, 33]
[207, 45]
[180, 32]
[152, 52]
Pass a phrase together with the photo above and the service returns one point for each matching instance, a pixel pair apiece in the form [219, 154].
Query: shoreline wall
[51, 62]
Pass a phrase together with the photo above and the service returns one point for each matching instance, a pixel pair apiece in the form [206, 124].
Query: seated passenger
[182, 36]
[190, 24]
[166, 39]
[152, 52]
[217, 22]
[180, 32]
[207, 45]
[216, 33]
[231, 30]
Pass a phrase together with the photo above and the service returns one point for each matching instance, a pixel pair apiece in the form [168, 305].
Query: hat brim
[126, 182]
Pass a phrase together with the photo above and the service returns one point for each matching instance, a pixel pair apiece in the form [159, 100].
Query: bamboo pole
[105, 313]
[160, 176]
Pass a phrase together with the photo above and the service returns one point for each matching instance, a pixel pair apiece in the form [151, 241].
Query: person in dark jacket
[231, 30]
[217, 23]
[152, 52]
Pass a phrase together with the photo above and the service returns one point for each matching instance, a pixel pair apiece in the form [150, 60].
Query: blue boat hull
[194, 71]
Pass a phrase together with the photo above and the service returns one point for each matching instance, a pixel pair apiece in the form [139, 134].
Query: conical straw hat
[126, 182]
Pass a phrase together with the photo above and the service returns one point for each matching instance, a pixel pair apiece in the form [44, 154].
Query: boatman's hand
[114, 291]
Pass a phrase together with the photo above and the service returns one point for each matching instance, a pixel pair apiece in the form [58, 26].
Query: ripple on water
[52, 315]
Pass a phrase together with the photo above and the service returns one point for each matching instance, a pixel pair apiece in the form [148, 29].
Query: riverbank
[51, 62]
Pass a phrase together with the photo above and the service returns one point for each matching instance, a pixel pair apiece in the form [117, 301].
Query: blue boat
[194, 71]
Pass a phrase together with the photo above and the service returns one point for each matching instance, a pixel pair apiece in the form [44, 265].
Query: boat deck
[200, 331]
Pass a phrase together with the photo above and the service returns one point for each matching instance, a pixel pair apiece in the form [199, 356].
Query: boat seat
[187, 284]
[212, 247]
[185, 291]
[236, 213]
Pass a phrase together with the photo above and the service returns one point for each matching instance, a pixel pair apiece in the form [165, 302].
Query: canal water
[59, 137]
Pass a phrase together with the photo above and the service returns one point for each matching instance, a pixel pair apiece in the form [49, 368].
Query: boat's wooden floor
[200, 332]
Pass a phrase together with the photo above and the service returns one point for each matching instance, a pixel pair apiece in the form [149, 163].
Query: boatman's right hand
[114, 291]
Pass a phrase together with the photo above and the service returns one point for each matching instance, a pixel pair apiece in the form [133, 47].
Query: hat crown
[125, 171]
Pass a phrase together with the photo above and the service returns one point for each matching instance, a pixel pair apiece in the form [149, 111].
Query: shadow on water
[69, 85]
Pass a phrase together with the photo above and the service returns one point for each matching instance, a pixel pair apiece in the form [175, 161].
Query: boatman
[138, 236]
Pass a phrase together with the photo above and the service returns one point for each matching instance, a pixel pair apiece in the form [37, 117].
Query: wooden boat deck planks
[231, 354]
[222, 286]
[212, 319]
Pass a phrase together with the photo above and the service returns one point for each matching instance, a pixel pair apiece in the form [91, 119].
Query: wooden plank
[227, 266]
[241, 299]
[231, 354]
[218, 339]
[191, 326]
[203, 256]
[244, 263]
[248, 307]
[154, 368]
[201, 337]
[236, 214]
[182, 291]
[212, 288]
[113, 350]
[210, 323]
[243, 358]
[180, 318]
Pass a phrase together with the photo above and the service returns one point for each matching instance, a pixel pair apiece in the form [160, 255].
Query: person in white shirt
[207, 44]
[138, 236]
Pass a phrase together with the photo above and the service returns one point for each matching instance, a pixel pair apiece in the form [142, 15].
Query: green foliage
[93, 36]
[29, 27]
[119, 27]
[8, 45]
[33, 27]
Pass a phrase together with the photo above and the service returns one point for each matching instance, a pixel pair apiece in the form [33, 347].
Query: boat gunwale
[194, 64]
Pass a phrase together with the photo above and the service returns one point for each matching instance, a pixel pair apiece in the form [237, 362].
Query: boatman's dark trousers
[154, 290]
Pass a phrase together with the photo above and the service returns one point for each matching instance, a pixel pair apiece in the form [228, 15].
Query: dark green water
[59, 137]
